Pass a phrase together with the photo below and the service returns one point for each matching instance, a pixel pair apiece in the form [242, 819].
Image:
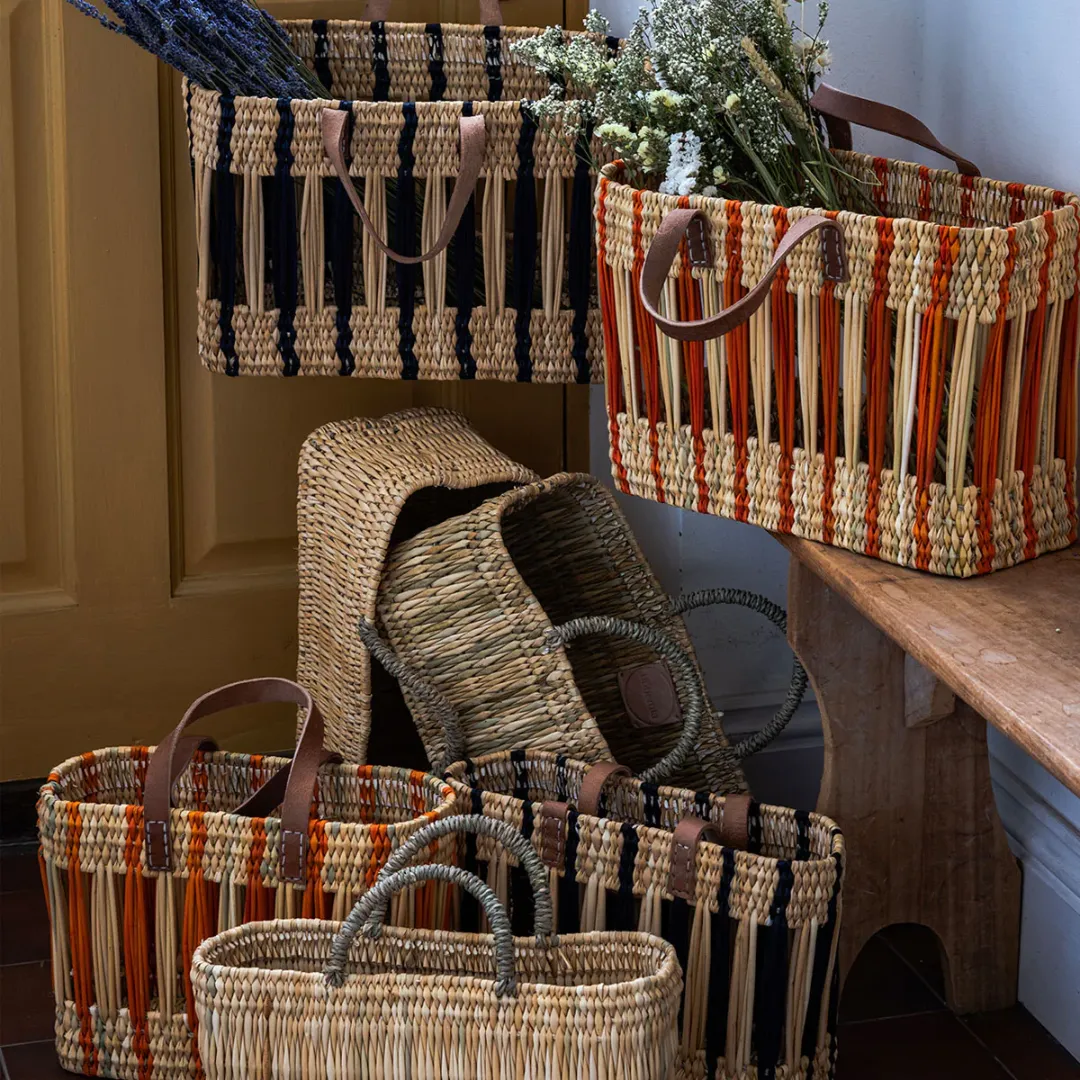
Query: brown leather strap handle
[490, 12]
[841, 110]
[333, 123]
[690, 223]
[592, 786]
[161, 772]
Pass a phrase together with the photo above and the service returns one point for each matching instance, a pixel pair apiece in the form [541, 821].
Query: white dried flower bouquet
[710, 96]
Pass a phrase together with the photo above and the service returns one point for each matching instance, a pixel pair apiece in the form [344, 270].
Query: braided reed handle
[433, 698]
[778, 617]
[686, 678]
[370, 909]
[379, 895]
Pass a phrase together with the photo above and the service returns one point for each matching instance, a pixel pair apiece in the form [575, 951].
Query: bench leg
[912, 795]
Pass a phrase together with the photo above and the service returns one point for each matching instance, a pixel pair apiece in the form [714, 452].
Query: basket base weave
[956, 535]
[107, 1047]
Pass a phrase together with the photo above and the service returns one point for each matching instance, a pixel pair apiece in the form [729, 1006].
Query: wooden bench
[908, 669]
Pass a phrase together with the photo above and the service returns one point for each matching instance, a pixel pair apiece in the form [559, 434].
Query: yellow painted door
[147, 508]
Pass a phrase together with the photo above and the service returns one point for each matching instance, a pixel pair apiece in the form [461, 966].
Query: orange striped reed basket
[306, 998]
[915, 402]
[134, 884]
[495, 284]
[748, 895]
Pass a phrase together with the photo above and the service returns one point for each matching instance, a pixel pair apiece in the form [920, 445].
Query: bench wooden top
[1007, 643]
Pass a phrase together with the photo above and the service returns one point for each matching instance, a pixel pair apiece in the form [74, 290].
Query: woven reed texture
[513, 298]
[758, 944]
[362, 484]
[469, 604]
[423, 1003]
[123, 935]
[923, 412]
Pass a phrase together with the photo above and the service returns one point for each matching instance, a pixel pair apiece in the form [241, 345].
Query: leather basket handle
[690, 223]
[490, 12]
[841, 110]
[293, 785]
[334, 126]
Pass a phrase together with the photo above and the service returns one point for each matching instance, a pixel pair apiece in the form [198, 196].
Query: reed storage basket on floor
[917, 404]
[133, 885]
[304, 998]
[754, 918]
[496, 284]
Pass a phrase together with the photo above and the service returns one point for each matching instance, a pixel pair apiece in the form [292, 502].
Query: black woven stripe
[284, 249]
[677, 911]
[569, 900]
[620, 902]
[380, 62]
[650, 794]
[322, 52]
[436, 58]
[802, 830]
[224, 254]
[580, 258]
[470, 906]
[703, 805]
[405, 243]
[562, 789]
[522, 906]
[771, 978]
[521, 775]
[719, 963]
[463, 257]
[339, 243]
[753, 829]
[524, 263]
[823, 947]
[493, 62]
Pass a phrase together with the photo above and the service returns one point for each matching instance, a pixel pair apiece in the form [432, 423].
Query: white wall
[999, 82]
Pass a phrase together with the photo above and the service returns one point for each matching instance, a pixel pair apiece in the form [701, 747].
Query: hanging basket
[472, 256]
[901, 385]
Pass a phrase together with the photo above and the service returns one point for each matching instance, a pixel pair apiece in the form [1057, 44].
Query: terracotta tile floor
[894, 1024]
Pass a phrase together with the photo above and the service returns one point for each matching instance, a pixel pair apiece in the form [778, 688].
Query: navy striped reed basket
[500, 285]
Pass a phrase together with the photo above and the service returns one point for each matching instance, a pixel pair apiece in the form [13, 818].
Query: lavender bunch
[227, 45]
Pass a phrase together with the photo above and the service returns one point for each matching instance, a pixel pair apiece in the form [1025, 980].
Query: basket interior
[219, 782]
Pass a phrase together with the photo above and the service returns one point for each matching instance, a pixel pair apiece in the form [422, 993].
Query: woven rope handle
[490, 12]
[379, 895]
[842, 110]
[433, 698]
[334, 126]
[690, 223]
[691, 697]
[778, 617]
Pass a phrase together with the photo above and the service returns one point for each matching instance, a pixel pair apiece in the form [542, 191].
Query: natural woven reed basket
[303, 998]
[130, 897]
[748, 895]
[917, 405]
[496, 285]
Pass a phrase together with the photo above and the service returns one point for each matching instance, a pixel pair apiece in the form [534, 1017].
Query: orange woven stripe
[613, 375]
[693, 362]
[783, 333]
[738, 359]
[200, 912]
[924, 193]
[1017, 204]
[1065, 439]
[381, 852]
[829, 311]
[967, 185]
[1028, 422]
[314, 905]
[82, 965]
[645, 338]
[367, 795]
[136, 940]
[881, 189]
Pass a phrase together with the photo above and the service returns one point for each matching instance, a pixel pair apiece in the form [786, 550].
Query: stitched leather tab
[156, 834]
[553, 817]
[697, 244]
[833, 254]
[688, 834]
[292, 856]
[649, 695]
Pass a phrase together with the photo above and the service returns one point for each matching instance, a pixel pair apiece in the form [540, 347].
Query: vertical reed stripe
[569, 902]
[524, 266]
[719, 968]
[321, 58]
[284, 244]
[436, 59]
[493, 62]
[621, 904]
[829, 319]
[82, 970]
[225, 250]
[738, 359]
[693, 359]
[464, 256]
[136, 945]
[783, 334]
[405, 242]
[820, 973]
[578, 255]
[380, 62]
[770, 984]
[644, 332]
[878, 363]
[341, 260]
[612, 384]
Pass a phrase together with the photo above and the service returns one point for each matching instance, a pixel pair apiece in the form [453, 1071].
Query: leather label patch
[649, 695]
